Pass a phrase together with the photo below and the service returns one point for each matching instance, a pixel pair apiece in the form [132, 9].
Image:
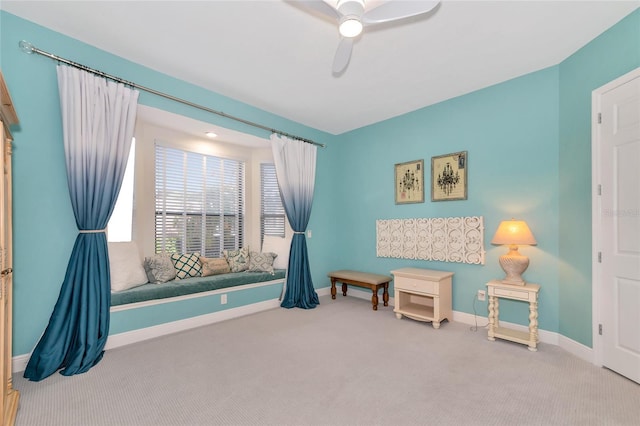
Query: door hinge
[599, 189]
[599, 118]
[600, 329]
[599, 257]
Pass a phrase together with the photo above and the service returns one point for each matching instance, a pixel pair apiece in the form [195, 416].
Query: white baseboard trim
[134, 336]
[19, 363]
[577, 349]
[140, 335]
[324, 291]
[543, 335]
[122, 339]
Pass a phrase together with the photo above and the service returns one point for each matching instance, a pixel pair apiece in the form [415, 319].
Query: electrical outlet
[482, 295]
[223, 299]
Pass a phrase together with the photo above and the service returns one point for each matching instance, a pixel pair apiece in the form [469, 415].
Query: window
[272, 216]
[120, 223]
[199, 203]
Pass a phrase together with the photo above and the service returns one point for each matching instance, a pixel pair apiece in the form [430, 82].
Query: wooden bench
[361, 279]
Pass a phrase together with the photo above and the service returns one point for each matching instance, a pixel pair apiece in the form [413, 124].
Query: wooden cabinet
[8, 395]
[422, 294]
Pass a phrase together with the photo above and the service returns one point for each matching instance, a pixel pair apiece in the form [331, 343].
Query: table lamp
[513, 233]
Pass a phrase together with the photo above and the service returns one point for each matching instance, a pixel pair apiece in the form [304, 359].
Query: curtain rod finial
[25, 46]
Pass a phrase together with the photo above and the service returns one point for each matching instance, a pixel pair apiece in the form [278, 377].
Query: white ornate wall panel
[448, 239]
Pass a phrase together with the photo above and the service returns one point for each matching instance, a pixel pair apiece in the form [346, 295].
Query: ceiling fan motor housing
[350, 21]
[351, 9]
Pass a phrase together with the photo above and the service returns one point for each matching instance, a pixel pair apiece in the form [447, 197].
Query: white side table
[496, 289]
[422, 294]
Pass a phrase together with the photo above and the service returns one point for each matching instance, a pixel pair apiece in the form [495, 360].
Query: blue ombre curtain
[295, 163]
[98, 118]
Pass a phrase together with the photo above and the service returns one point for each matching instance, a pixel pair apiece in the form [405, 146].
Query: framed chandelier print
[410, 182]
[449, 177]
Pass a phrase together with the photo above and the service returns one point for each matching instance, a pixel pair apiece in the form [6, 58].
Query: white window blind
[272, 215]
[199, 203]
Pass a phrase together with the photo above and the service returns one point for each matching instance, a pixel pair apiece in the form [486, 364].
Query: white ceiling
[276, 56]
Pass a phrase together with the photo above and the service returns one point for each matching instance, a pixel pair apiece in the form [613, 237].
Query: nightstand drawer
[412, 284]
[512, 294]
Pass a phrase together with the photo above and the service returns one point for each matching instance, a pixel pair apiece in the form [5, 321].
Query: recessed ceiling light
[211, 134]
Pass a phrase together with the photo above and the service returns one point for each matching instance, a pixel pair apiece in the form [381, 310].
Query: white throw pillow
[279, 246]
[125, 266]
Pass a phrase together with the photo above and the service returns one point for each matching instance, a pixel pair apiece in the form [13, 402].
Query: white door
[619, 216]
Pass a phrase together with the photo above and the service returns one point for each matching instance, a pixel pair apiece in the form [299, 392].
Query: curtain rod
[29, 48]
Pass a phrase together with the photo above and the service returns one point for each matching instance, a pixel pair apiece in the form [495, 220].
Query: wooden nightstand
[422, 294]
[526, 293]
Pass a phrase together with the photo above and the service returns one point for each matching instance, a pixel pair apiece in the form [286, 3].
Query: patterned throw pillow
[159, 268]
[187, 265]
[238, 259]
[261, 262]
[214, 266]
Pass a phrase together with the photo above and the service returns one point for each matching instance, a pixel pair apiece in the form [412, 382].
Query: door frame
[597, 289]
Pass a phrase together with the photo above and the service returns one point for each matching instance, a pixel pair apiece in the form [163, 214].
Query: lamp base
[514, 264]
[513, 282]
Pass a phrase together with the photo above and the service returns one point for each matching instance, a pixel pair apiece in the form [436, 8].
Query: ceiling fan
[352, 19]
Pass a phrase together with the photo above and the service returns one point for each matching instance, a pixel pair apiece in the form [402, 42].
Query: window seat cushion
[191, 285]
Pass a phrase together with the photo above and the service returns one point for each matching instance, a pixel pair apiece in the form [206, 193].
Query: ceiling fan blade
[318, 8]
[394, 10]
[343, 55]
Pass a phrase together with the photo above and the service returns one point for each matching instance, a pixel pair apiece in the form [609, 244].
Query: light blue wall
[542, 118]
[511, 134]
[614, 53]
[44, 228]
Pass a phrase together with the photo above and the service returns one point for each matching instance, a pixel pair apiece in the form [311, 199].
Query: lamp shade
[513, 232]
